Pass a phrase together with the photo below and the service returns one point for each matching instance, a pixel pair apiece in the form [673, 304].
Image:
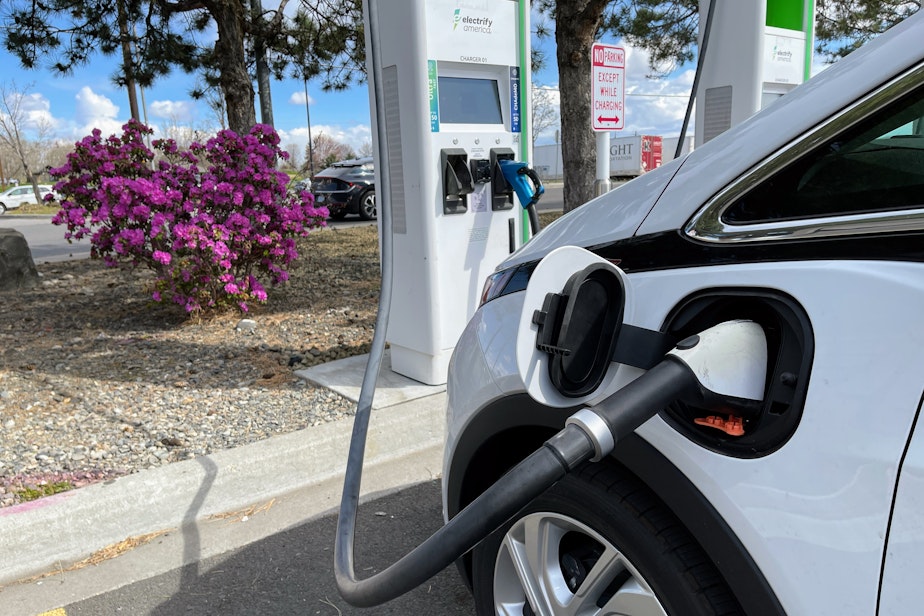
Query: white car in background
[807, 219]
[15, 197]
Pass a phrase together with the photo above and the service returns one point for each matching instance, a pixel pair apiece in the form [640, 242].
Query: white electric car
[807, 219]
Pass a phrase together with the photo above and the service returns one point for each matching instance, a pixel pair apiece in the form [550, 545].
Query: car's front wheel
[597, 542]
[2, 209]
[367, 209]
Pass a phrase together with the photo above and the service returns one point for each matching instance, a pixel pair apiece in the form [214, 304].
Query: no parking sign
[608, 86]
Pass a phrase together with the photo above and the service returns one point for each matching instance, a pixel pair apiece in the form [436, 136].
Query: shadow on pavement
[192, 544]
[292, 571]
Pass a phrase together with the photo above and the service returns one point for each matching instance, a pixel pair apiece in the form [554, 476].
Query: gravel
[96, 381]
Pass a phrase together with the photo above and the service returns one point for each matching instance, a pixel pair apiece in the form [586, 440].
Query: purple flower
[212, 210]
[162, 257]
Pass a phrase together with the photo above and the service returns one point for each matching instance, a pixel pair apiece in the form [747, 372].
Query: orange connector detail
[733, 426]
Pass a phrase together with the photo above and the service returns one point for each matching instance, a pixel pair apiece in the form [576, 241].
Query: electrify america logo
[471, 24]
[780, 55]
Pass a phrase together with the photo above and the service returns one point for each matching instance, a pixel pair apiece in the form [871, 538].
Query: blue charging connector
[526, 184]
[517, 173]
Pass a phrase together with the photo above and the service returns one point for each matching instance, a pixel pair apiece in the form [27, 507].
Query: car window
[874, 166]
[329, 185]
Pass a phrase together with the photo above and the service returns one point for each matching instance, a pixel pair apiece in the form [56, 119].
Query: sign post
[608, 88]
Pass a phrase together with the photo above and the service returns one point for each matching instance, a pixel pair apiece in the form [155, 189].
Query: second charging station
[455, 79]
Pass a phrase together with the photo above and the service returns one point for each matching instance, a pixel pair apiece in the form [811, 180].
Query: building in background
[630, 155]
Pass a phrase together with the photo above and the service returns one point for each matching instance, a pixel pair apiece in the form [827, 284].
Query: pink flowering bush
[211, 221]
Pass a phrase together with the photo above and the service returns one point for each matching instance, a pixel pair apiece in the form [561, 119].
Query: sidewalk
[262, 488]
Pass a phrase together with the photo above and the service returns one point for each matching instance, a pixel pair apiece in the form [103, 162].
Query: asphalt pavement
[290, 572]
[46, 241]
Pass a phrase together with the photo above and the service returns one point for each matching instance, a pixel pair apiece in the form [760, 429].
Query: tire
[367, 209]
[2, 209]
[593, 516]
[338, 215]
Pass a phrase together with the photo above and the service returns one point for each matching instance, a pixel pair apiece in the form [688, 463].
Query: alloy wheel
[550, 564]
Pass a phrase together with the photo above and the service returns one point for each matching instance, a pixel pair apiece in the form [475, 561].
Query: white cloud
[177, 111]
[299, 97]
[554, 93]
[92, 110]
[654, 106]
[819, 64]
[37, 111]
[34, 101]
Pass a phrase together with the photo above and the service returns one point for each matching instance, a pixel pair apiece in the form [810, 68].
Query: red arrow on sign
[601, 120]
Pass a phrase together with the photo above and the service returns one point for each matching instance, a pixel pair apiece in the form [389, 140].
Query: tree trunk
[236, 85]
[35, 190]
[576, 26]
[128, 62]
[262, 67]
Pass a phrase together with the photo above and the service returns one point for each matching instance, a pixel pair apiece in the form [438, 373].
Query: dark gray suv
[347, 187]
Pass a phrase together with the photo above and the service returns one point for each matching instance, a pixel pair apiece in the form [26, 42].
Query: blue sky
[76, 104]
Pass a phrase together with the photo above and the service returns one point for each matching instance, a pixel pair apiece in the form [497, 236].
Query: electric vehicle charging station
[758, 51]
[454, 78]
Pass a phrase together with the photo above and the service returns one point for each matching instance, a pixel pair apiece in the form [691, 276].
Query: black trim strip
[671, 249]
[642, 348]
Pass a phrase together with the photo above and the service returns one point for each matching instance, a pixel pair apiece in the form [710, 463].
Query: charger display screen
[464, 100]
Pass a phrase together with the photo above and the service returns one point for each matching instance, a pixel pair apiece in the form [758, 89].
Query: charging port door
[575, 305]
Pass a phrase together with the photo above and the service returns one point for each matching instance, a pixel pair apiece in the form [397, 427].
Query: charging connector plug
[724, 367]
[620, 414]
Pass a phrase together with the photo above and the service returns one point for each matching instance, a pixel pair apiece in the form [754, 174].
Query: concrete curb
[51, 533]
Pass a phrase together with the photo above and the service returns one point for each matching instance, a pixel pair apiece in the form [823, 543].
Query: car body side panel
[842, 458]
[484, 354]
[902, 591]
[828, 491]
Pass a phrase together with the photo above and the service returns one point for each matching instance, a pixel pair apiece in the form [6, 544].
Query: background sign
[608, 87]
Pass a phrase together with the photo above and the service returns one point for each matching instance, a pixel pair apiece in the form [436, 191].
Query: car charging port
[760, 429]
